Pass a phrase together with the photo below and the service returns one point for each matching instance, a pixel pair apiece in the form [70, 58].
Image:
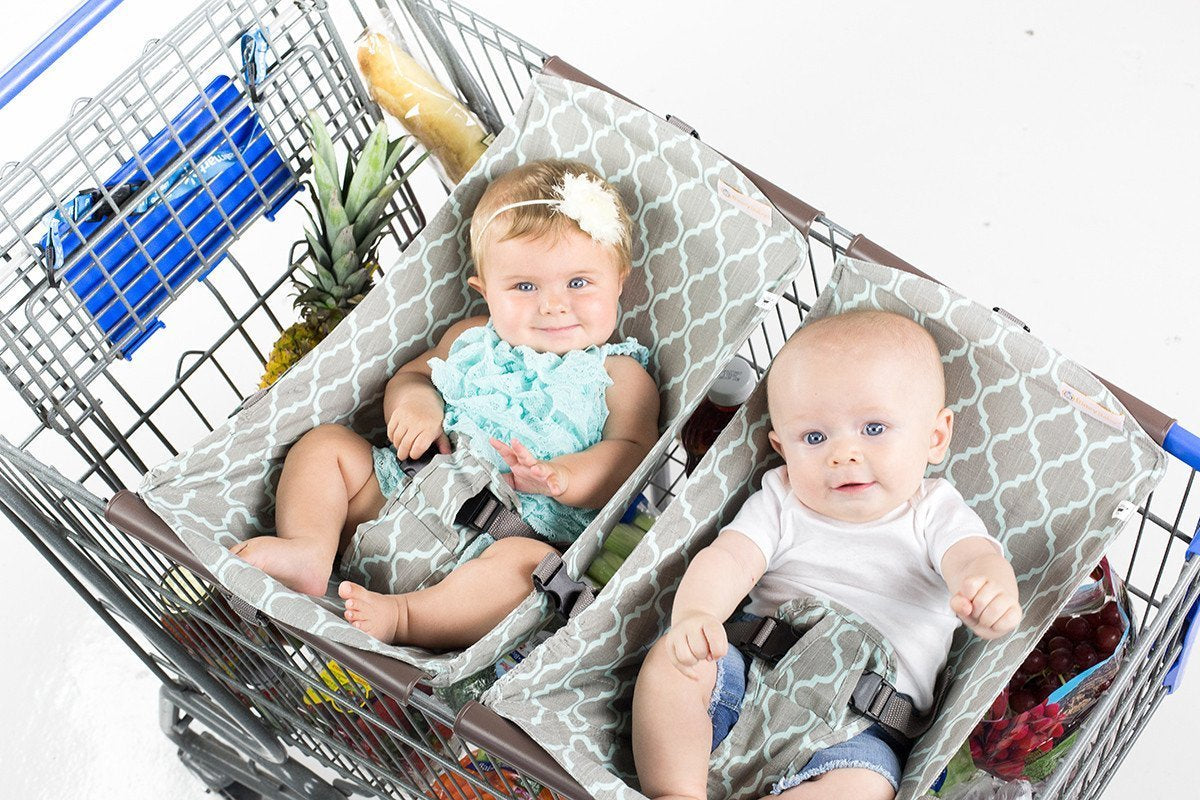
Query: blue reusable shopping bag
[178, 229]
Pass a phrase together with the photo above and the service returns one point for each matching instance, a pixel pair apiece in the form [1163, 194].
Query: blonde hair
[538, 180]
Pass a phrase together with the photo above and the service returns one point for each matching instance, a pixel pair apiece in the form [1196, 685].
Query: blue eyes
[574, 283]
[870, 429]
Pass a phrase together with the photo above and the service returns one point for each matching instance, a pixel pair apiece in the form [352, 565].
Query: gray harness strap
[486, 514]
[873, 697]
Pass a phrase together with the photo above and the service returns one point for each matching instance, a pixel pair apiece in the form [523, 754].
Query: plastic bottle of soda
[730, 390]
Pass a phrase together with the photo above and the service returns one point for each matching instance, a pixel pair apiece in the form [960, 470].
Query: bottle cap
[734, 384]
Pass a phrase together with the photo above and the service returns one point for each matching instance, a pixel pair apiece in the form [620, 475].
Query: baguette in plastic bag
[431, 113]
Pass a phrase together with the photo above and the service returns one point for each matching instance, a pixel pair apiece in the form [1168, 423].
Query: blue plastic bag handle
[254, 59]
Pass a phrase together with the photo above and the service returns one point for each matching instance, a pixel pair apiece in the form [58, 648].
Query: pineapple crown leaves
[371, 172]
[361, 198]
[348, 217]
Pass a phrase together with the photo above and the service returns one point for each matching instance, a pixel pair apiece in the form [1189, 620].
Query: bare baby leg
[327, 489]
[459, 610]
[672, 732]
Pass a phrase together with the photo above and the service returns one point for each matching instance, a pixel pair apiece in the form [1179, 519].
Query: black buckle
[101, 208]
[480, 511]
[871, 695]
[563, 590]
[771, 640]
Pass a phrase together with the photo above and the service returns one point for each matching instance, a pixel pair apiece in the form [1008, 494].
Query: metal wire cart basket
[255, 708]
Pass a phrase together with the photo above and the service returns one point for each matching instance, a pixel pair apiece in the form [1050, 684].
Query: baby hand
[528, 474]
[415, 425]
[697, 638]
[989, 609]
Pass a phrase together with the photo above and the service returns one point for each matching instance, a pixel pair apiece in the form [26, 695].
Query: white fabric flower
[593, 207]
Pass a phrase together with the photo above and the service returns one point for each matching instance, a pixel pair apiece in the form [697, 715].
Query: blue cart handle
[53, 45]
[1185, 446]
[1174, 675]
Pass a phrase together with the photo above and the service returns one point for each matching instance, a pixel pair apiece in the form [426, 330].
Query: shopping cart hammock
[705, 270]
[1049, 480]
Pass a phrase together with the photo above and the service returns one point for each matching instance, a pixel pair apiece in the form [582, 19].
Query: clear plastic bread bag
[406, 90]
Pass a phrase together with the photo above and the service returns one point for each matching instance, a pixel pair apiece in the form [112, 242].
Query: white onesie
[887, 571]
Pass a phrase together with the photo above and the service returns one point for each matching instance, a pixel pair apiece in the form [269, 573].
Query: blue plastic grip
[1185, 446]
[1190, 628]
[53, 45]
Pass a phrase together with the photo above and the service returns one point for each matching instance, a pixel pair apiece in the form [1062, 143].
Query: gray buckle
[479, 512]
[563, 590]
[871, 695]
[772, 640]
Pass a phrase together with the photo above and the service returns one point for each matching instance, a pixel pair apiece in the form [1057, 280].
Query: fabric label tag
[768, 300]
[1123, 511]
[1090, 407]
[755, 208]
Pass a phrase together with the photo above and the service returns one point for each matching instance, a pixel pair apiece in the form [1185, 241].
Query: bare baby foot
[298, 564]
[384, 616]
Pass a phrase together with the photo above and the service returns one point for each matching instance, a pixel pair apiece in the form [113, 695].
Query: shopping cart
[256, 708]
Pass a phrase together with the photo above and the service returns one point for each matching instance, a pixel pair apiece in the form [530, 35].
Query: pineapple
[341, 241]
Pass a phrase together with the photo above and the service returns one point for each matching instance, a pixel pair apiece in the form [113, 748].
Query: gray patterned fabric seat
[1048, 480]
[701, 266]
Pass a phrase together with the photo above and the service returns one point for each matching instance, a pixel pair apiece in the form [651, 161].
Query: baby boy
[857, 404]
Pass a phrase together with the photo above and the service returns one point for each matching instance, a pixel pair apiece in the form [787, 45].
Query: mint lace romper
[554, 404]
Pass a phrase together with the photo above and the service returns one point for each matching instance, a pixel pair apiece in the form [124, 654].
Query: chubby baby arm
[715, 582]
[412, 407]
[590, 478]
[983, 587]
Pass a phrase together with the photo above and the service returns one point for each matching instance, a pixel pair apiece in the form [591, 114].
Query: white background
[1041, 157]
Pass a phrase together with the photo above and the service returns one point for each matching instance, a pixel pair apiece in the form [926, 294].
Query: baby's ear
[775, 443]
[939, 439]
[475, 283]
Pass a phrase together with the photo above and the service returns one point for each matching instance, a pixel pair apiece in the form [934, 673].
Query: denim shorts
[875, 748]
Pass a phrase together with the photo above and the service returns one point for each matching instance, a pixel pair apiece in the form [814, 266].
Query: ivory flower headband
[583, 199]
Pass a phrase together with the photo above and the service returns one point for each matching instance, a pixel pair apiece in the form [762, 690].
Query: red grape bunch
[1071, 646]
[1002, 743]
[1021, 719]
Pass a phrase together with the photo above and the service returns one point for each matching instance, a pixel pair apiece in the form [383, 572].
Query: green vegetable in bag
[623, 538]
[643, 520]
[604, 567]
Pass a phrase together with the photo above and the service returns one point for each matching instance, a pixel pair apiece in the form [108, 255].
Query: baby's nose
[553, 303]
[844, 453]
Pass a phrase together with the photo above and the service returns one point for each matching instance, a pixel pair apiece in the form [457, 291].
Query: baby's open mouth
[852, 488]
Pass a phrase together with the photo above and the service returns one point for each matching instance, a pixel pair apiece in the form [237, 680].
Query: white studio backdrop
[1040, 157]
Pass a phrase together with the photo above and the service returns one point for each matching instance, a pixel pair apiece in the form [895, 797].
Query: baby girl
[534, 384]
